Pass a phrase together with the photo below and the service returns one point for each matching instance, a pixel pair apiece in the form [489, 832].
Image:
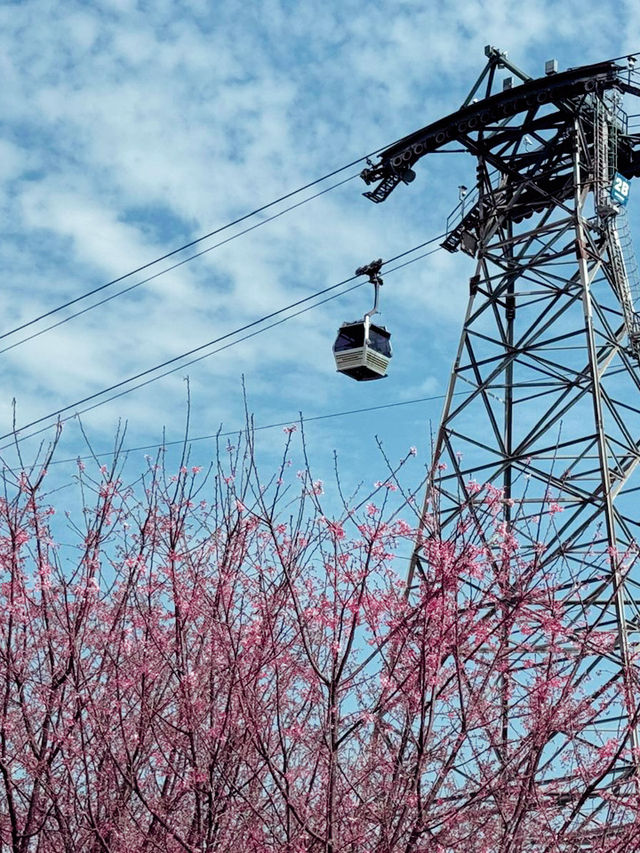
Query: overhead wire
[232, 334]
[191, 243]
[176, 251]
[172, 253]
[169, 268]
[306, 420]
[254, 323]
[195, 242]
[174, 369]
[625, 56]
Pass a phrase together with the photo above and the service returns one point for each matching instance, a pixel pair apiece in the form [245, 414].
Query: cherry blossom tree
[205, 660]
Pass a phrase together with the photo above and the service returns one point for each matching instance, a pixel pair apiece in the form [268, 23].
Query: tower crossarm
[485, 121]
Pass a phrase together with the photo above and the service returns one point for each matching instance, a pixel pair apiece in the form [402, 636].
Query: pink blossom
[608, 749]
[401, 528]
[336, 530]
[379, 484]
[177, 673]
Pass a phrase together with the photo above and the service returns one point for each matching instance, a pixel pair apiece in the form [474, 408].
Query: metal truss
[543, 402]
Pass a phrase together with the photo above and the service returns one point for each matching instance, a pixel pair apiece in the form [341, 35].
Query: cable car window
[380, 342]
[350, 337]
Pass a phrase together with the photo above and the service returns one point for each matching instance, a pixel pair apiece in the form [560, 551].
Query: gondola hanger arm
[372, 270]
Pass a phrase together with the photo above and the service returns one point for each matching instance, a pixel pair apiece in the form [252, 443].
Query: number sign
[620, 189]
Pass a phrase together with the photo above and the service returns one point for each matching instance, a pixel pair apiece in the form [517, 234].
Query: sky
[128, 129]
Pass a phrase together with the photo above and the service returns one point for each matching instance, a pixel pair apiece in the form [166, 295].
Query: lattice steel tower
[543, 401]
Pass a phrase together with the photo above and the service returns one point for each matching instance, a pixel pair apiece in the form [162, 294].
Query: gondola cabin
[362, 350]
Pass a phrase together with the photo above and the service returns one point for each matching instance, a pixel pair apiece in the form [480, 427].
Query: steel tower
[543, 402]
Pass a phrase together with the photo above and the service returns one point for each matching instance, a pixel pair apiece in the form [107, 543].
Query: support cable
[179, 358]
[198, 240]
[221, 229]
[155, 275]
[210, 234]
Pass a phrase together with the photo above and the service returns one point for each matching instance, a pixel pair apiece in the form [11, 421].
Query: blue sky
[129, 128]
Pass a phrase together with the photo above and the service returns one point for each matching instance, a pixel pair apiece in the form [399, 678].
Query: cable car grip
[372, 270]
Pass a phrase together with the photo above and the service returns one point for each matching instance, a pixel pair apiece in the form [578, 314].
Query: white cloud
[127, 132]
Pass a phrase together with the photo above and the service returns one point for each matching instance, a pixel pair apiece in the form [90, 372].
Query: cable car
[363, 349]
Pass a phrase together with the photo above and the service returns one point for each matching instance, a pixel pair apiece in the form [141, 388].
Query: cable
[213, 352]
[291, 421]
[625, 56]
[174, 266]
[227, 335]
[195, 242]
[179, 366]
[198, 240]
[169, 268]
[199, 358]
